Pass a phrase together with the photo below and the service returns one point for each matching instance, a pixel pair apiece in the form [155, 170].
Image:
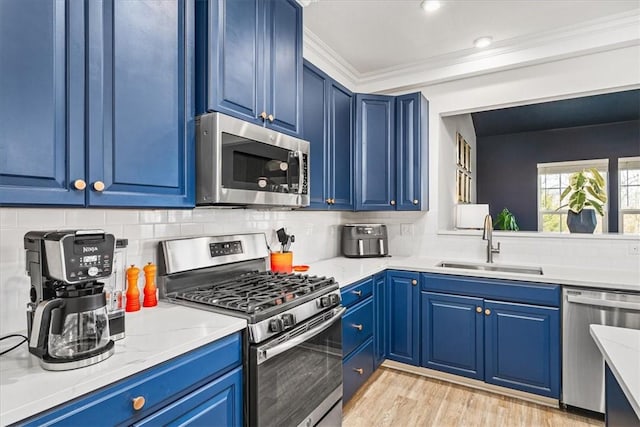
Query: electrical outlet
[406, 229]
[634, 249]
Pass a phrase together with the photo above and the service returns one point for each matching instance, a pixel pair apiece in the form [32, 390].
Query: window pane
[551, 223]
[631, 223]
[563, 223]
[633, 177]
[564, 180]
[634, 197]
[553, 181]
[624, 198]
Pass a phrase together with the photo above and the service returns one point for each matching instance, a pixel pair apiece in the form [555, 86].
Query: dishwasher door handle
[603, 302]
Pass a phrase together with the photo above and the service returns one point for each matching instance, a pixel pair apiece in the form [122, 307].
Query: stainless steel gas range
[293, 342]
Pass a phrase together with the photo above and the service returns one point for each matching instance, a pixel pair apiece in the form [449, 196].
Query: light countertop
[621, 349]
[349, 270]
[153, 335]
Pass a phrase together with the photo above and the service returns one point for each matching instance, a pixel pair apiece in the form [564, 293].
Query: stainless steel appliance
[239, 163]
[293, 343]
[582, 362]
[364, 240]
[67, 320]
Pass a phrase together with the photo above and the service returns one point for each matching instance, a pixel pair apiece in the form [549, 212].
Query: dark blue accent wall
[507, 164]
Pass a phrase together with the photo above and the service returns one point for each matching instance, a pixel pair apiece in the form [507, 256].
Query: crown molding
[607, 33]
[327, 59]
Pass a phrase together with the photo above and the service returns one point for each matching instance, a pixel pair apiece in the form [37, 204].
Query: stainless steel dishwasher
[582, 362]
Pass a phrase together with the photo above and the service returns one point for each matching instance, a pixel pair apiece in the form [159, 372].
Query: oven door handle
[300, 156]
[603, 302]
[266, 354]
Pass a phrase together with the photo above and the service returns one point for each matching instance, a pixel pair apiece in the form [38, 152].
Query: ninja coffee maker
[67, 320]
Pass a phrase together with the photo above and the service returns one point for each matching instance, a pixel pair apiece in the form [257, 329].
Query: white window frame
[625, 163]
[571, 167]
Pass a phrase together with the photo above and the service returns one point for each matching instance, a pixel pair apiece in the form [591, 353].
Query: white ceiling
[373, 36]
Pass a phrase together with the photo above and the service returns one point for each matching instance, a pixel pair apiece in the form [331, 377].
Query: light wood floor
[394, 398]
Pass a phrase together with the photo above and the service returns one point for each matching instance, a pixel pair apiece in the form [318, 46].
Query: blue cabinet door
[522, 347]
[453, 334]
[375, 167]
[41, 102]
[315, 118]
[141, 117]
[218, 403]
[379, 331]
[403, 321]
[283, 65]
[230, 54]
[410, 120]
[341, 146]
[356, 369]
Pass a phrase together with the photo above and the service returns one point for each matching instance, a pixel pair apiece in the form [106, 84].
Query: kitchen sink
[491, 267]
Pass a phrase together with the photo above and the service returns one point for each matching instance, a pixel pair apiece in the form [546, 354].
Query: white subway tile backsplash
[135, 232]
[191, 229]
[122, 216]
[151, 217]
[8, 218]
[162, 231]
[41, 219]
[179, 216]
[83, 218]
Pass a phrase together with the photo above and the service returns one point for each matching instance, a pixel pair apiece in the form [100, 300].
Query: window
[553, 178]
[629, 182]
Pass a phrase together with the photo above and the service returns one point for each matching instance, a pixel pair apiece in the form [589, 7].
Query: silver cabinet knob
[415, 201]
[392, 203]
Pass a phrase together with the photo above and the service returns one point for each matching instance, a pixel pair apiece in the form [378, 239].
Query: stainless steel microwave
[242, 164]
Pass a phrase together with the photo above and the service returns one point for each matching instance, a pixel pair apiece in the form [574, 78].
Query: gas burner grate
[256, 291]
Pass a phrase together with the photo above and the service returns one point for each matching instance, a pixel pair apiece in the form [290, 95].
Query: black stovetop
[257, 293]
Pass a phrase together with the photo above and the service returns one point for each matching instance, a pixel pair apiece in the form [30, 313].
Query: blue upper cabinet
[41, 102]
[391, 152]
[411, 155]
[249, 61]
[141, 117]
[403, 321]
[375, 165]
[328, 126]
[114, 128]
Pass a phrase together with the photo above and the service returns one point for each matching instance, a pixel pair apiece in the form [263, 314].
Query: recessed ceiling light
[481, 42]
[430, 5]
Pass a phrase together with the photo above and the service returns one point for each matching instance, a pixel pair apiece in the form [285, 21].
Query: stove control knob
[325, 302]
[276, 325]
[288, 320]
[335, 299]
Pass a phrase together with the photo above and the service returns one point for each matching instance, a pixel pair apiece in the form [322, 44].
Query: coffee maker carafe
[67, 318]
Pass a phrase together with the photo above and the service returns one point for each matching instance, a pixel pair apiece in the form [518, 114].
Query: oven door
[296, 378]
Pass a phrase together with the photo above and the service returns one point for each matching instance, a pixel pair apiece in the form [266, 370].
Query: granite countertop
[153, 335]
[621, 349]
[350, 270]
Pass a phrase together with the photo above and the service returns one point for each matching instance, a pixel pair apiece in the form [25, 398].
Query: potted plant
[506, 221]
[585, 189]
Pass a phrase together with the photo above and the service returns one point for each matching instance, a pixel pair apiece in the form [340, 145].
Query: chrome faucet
[487, 235]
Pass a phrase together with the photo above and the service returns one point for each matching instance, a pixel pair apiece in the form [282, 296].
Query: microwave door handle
[300, 156]
[266, 354]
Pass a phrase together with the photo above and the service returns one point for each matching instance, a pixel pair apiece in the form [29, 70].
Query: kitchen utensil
[300, 268]
[290, 240]
[133, 293]
[150, 294]
[281, 262]
[283, 238]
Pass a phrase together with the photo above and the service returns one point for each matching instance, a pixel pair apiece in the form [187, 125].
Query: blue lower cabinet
[379, 332]
[522, 347]
[203, 386]
[219, 403]
[453, 334]
[403, 316]
[618, 409]
[356, 369]
[357, 326]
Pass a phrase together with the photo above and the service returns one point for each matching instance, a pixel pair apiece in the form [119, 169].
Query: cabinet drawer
[504, 290]
[357, 326]
[357, 292]
[356, 370]
[159, 386]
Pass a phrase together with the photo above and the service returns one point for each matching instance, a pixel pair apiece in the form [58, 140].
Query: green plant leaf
[565, 192]
[580, 180]
[596, 175]
[596, 206]
[598, 195]
[577, 200]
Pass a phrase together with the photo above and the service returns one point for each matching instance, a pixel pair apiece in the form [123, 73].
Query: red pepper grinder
[150, 298]
[133, 293]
